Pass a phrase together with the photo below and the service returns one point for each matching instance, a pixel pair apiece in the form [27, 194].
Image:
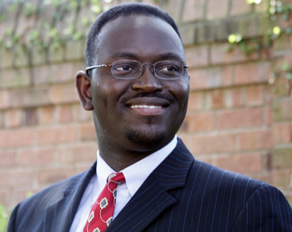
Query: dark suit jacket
[182, 194]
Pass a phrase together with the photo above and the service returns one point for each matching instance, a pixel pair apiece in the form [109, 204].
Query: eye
[169, 69]
[123, 68]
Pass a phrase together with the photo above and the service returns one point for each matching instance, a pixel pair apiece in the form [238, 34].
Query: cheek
[107, 92]
[180, 91]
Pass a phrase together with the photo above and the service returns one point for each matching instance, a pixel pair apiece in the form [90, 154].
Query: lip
[148, 106]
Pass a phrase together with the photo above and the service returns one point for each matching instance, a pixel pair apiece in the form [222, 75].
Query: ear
[83, 84]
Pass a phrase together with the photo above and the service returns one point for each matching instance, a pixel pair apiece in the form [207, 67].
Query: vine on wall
[46, 24]
[279, 13]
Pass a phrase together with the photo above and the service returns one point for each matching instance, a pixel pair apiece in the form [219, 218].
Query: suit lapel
[153, 196]
[59, 216]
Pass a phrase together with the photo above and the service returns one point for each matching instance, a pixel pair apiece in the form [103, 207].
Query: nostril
[147, 82]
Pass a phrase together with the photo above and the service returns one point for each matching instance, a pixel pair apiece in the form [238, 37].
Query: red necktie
[102, 211]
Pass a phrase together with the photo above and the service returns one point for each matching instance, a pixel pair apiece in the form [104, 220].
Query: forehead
[144, 36]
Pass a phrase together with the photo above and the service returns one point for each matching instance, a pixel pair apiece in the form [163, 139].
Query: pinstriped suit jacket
[182, 194]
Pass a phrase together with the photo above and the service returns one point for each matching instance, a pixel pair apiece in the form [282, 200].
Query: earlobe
[83, 84]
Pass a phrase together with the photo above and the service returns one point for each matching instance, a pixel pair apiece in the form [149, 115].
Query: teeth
[144, 106]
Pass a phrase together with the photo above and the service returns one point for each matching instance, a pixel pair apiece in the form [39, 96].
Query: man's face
[142, 114]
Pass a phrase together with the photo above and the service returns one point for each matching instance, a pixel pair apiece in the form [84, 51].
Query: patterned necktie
[102, 211]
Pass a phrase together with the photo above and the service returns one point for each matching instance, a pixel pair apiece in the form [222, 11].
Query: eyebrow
[130, 55]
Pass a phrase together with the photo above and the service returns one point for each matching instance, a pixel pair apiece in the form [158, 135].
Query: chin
[145, 139]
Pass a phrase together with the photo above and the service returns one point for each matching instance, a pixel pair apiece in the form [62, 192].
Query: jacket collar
[59, 216]
[154, 195]
[148, 202]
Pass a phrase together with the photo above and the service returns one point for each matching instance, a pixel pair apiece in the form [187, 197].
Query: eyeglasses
[132, 69]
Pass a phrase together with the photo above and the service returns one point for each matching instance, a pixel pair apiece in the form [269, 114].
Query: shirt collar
[138, 172]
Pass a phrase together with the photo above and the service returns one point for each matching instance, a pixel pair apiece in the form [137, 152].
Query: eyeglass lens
[123, 69]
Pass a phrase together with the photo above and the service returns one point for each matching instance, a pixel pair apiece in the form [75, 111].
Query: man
[137, 84]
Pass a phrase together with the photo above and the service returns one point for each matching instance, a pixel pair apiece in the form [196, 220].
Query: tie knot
[118, 178]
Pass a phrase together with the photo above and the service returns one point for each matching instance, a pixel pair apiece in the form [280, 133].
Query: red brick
[17, 138]
[282, 157]
[281, 87]
[193, 10]
[53, 175]
[65, 113]
[13, 177]
[239, 7]
[219, 77]
[15, 78]
[187, 33]
[23, 193]
[282, 133]
[55, 73]
[8, 61]
[84, 153]
[80, 114]
[252, 73]
[198, 79]
[195, 101]
[240, 118]
[81, 153]
[234, 97]
[61, 134]
[4, 99]
[282, 45]
[47, 115]
[211, 78]
[268, 116]
[215, 99]
[35, 157]
[6, 199]
[213, 143]
[30, 97]
[13, 118]
[87, 131]
[282, 110]
[256, 140]
[63, 94]
[197, 56]
[255, 95]
[214, 6]
[8, 158]
[242, 163]
[171, 8]
[220, 55]
[81, 167]
[282, 179]
[30, 117]
[74, 50]
[198, 122]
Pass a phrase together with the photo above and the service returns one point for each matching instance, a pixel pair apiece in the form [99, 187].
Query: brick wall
[236, 119]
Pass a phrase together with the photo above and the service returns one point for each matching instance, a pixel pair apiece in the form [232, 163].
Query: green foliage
[4, 217]
[276, 10]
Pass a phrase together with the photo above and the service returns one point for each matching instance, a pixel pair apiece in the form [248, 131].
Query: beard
[145, 139]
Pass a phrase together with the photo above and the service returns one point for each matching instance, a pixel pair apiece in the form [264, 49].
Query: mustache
[148, 95]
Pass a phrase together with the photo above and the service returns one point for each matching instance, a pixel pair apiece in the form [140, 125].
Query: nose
[147, 81]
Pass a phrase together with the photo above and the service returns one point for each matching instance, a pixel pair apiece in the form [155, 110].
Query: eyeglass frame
[184, 66]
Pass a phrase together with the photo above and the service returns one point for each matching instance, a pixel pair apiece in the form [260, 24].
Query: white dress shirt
[135, 176]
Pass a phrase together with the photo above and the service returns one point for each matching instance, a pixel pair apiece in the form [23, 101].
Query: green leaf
[289, 76]
[285, 66]
[29, 9]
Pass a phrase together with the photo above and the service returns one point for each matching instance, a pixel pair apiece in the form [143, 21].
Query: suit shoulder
[223, 182]
[55, 191]
[32, 210]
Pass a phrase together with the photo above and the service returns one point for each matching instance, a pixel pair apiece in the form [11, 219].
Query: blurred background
[240, 107]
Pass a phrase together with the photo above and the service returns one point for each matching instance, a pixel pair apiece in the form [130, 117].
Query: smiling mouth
[147, 110]
[144, 106]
